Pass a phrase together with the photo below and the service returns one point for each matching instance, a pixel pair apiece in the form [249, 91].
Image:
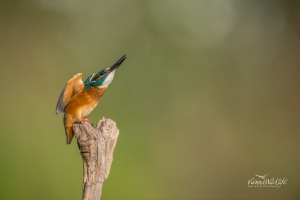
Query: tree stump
[96, 147]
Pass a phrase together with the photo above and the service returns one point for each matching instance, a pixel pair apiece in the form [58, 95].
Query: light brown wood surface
[96, 147]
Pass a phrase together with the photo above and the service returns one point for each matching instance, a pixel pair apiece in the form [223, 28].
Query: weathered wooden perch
[96, 147]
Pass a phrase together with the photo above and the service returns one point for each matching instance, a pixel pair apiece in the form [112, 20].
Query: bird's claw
[86, 120]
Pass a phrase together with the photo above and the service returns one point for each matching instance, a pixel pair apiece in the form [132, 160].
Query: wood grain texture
[96, 147]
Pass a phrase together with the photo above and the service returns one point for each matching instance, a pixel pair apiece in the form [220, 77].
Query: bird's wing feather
[73, 86]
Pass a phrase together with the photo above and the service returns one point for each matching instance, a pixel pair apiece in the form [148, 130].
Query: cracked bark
[96, 147]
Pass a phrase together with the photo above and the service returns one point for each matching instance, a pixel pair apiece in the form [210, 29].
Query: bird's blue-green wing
[73, 86]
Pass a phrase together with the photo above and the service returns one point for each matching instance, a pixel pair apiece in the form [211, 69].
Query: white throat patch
[109, 78]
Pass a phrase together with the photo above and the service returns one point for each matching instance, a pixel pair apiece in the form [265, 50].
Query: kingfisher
[78, 99]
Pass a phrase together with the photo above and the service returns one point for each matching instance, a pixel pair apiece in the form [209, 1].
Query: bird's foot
[87, 120]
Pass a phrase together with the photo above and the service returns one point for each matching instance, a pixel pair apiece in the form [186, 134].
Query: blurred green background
[207, 97]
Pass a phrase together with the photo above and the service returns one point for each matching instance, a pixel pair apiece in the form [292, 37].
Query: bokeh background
[208, 96]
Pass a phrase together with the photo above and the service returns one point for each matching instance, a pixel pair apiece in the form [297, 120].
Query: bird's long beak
[117, 64]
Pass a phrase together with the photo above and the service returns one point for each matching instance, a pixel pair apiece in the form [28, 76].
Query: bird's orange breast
[84, 102]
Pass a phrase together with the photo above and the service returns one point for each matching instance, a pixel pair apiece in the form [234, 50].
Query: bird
[262, 177]
[78, 99]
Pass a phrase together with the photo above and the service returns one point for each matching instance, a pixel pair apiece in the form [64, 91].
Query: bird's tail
[68, 122]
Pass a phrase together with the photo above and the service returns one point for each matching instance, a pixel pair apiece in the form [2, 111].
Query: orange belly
[83, 103]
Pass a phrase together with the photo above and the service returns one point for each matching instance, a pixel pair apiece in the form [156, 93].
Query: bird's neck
[97, 92]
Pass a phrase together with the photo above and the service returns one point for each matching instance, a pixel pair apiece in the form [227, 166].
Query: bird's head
[104, 77]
